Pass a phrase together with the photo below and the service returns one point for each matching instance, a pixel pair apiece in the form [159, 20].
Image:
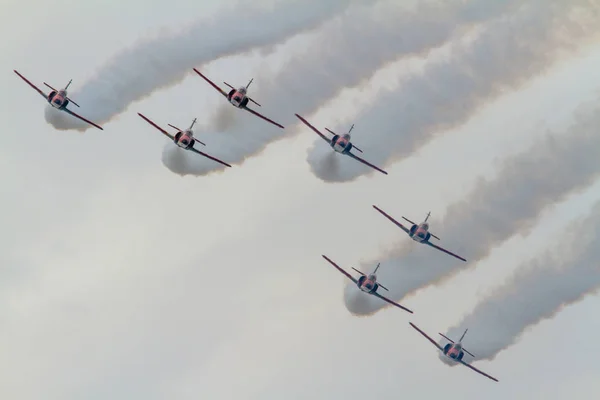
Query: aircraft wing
[444, 250]
[81, 118]
[478, 371]
[45, 96]
[211, 157]
[157, 127]
[405, 229]
[314, 129]
[391, 302]
[366, 163]
[211, 83]
[263, 117]
[427, 337]
[341, 270]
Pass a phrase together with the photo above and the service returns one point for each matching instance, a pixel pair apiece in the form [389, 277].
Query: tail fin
[193, 122]
[376, 268]
[248, 85]
[463, 335]
[352, 127]
[68, 84]
[427, 217]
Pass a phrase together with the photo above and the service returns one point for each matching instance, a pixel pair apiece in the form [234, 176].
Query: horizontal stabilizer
[174, 127]
[447, 338]
[50, 86]
[330, 131]
[468, 352]
[356, 148]
[71, 100]
[406, 219]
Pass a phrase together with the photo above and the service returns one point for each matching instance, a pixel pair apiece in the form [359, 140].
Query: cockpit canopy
[242, 90]
[425, 225]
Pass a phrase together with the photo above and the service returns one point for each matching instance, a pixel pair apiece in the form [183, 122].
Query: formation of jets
[184, 139]
[367, 283]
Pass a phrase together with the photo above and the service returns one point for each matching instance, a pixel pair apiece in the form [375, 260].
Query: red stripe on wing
[366, 163]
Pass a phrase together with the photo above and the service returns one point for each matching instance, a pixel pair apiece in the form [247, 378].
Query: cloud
[509, 52]
[538, 290]
[165, 59]
[350, 49]
[527, 184]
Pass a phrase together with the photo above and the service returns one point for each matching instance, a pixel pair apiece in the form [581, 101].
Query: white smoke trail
[512, 50]
[164, 60]
[351, 49]
[527, 184]
[537, 291]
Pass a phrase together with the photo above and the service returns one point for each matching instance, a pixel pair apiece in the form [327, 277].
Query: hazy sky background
[121, 279]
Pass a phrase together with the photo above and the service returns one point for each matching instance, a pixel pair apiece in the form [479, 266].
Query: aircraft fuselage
[341, 144]
[367, 284]
[184, 139]
[58, 99]
[419, 233]
[238, 97]
[454, 351]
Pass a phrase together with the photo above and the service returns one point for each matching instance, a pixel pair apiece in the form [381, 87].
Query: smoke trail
[511, 51]
[537, 291]
[527, 184]
[165, 60]
[351, 49]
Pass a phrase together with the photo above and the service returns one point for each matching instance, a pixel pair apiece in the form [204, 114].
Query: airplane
[367, 283]
[239, 98]
[341, 143]
[184, 139]
[58, 99]
[454, 350]
[419, 233]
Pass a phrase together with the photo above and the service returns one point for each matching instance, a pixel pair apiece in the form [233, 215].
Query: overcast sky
[122, 279]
